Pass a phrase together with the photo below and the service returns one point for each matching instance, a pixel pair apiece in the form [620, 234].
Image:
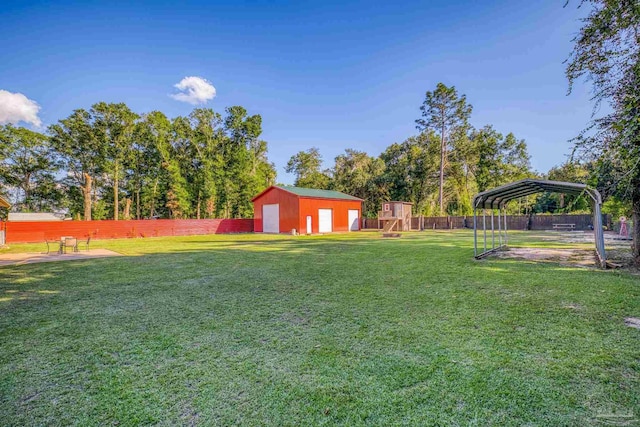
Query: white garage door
[271, 218]
[325, 220]
[354, 223]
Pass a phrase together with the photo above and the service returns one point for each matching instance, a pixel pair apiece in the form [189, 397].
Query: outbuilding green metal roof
[317, 194]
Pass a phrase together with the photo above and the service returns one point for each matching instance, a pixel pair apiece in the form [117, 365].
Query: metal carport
[497, 198]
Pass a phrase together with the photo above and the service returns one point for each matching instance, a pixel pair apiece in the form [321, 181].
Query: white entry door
[309, 228]
[325, 220]
[271, 218]
[354, 220]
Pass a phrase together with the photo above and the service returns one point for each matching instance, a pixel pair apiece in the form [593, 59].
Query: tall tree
[500, 159]
[461, 184]
[177, 157]
[569, 171]
[28, 164]
[82, 153]
[516, 158]
[206, 160]
[147, 174]
[263, 171]
[607, 52]
[243, 133]
[358, 174]
[411, 171]
[114, 125]
[306, 165]
[446, 113]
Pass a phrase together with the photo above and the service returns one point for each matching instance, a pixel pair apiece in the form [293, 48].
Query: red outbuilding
[281, 209]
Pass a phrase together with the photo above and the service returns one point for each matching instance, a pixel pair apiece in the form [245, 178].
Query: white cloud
[15, 107]
[195, 90]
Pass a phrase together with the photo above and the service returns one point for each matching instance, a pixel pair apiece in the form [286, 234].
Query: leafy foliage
[199, 166]
[500, 159]
[607, 53]
[28, 165]
[446, 113]
[123, 165]
[412, 170]
[358, 174]
[306, 167]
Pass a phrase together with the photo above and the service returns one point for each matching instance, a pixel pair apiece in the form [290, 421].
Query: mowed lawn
[331, 330]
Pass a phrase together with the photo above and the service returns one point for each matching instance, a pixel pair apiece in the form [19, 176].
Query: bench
[567, 227]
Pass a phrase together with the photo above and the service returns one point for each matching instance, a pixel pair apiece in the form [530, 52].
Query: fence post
[484, 226]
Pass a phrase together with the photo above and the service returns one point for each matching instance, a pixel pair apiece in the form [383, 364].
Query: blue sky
[333, 75]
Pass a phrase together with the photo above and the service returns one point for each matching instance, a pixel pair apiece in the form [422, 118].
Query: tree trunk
[127, 209]
[442, 155]
[152, 208]
[27, 193]
[198, 208]
[86, 194]
[115, 194]
[635, 245]
[138, 203]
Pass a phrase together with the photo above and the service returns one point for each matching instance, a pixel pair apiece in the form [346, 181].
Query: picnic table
[567, 227]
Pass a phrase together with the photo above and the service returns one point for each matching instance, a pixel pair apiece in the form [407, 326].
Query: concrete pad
[32, 258]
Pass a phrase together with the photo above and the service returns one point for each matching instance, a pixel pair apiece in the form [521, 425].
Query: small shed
[395, 216]
[282, 209]
[34, 216]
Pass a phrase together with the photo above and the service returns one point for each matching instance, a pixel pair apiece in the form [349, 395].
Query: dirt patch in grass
[573, 257]
[632, 322]
[33, 258]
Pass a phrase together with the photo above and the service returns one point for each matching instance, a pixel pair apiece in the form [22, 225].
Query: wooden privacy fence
[32, 231]
[514, 222]
[36, 231]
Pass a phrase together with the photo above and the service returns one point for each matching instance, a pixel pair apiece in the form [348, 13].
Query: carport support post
[598, 233]
[500, 226]
[493, 232]
[506, 239]
[475, 233]
[484, 227]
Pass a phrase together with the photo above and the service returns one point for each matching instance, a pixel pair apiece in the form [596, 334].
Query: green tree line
[111, 163]
[439, 170]
[606, 54]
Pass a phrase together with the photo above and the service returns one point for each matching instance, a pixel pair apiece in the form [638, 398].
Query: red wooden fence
[32, 231]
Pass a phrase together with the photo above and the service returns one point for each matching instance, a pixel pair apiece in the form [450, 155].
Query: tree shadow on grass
[302, 315]
[366, 258]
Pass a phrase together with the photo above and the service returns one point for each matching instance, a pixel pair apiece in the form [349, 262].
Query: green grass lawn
[337, 330]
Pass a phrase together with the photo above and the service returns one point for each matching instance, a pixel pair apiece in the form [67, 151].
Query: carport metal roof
[499, 196]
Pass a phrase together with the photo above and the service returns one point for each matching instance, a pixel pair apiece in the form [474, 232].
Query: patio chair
[85, 243]
[53, 244]
[70, 242]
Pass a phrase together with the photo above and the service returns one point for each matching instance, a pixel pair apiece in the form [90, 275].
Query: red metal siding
[340, 209]
[31, 231]
[288, 209]
[294, 211]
